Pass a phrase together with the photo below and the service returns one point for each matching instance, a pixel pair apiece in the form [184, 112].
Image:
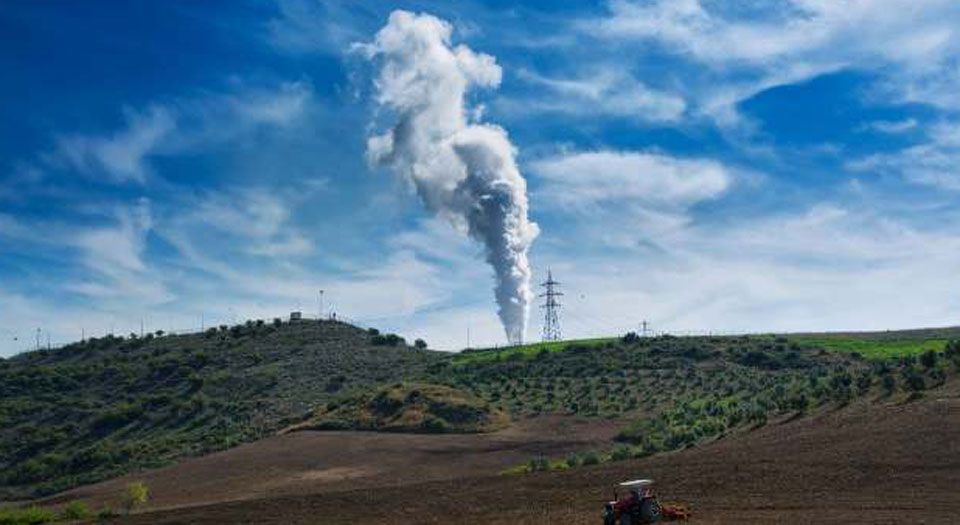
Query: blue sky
[704, 165]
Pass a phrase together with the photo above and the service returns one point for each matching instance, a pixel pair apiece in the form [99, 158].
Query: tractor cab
[633, 504]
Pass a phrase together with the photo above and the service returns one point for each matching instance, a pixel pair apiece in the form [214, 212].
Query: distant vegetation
[113, 405]
[409, 407]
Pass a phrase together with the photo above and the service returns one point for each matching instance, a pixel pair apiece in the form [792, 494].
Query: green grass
[524, 351]
[874, 349]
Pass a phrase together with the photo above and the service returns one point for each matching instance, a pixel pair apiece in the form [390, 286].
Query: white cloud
[828, 267]
[258, 217]
[185, 125]
[749, 48]
[892, 126]
[604, 91]
[122, 155]
[115, 257]
[655, 180]
[935, 162]
[305, 26]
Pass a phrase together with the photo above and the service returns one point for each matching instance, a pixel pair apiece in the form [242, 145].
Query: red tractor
[639, 505]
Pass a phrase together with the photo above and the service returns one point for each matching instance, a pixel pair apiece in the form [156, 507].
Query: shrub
[929, 359]
[538, 464]
[630, 338]
[914, 380]
[75, 510]
[420, 344]
[620, 453]
[889, 383]
[135, 495]
[387, 340]
[591, 458]
[26, 516]
[105, 513]
[573, 460]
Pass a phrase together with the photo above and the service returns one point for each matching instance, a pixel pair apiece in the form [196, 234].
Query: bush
[75, 510]
[591, 458]
[135, 495]
[914, 380]
[26, 516]
[929, 359]
[420, 344]
[889, 384]
[387, 340]
[538, 464]
[630, 338]
[573, 460]
[620, 453]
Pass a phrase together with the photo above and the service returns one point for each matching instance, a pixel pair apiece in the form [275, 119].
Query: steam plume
[462, 169]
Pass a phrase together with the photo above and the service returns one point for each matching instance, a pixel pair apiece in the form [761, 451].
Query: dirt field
[868, 463]
[311, 462]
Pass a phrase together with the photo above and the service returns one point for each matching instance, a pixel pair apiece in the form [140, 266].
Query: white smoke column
[464, 171]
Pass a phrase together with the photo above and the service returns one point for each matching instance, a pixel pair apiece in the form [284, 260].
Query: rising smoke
[463, 170]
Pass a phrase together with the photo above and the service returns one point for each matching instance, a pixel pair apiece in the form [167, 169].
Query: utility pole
[468, 337]
[38, 339]
[551, 307]
[320, 317]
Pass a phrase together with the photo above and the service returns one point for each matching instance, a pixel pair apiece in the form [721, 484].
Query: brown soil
[311, 462]
[868, 463]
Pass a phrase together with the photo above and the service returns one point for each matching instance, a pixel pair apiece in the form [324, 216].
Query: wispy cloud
[753, 47]
[934, 162]
[655, 179]
[605, 91]
[120, 156]
[115, 257]
[177, 127]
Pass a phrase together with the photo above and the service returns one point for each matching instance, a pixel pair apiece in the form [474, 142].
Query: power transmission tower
[551, 307]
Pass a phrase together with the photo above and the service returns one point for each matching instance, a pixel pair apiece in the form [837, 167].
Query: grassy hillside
[109, 406]
[408, 407]
[106, 406]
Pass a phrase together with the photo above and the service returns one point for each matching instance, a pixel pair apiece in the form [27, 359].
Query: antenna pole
[551, 307]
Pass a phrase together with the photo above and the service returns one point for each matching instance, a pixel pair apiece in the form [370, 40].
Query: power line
[551, 307]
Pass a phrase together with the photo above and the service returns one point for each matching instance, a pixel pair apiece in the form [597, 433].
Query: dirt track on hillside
[863, 464]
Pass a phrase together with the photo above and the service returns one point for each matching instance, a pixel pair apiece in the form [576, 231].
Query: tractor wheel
[650, 511]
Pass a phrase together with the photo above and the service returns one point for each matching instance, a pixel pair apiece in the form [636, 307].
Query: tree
[420, 344]
[136, 494]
